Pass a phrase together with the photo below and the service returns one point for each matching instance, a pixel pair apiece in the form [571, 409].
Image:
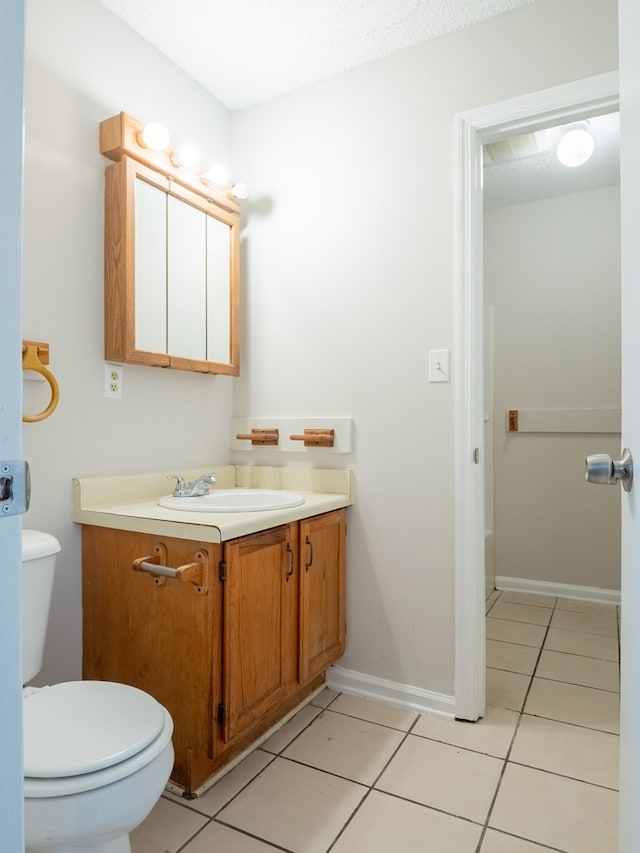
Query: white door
[629, 11]
[11, 70]
[484, 125]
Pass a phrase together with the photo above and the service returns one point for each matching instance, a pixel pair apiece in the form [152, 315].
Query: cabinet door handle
[291, 562]
[309, 563]
[190, 572]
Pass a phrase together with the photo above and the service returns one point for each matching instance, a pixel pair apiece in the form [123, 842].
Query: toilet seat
[81, 735]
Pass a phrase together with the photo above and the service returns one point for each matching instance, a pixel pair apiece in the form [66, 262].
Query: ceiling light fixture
[576, 145]
[154, 136]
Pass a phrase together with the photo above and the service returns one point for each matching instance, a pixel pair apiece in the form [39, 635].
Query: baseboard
[392, 692]
[561, 590]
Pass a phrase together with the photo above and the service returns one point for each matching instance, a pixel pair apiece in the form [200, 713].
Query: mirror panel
[218, 294]
[187, 281]
[151, 268]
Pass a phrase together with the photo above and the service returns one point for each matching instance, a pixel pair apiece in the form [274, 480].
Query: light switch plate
[439, 365]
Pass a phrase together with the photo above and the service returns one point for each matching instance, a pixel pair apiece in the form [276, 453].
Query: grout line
[370, 787]
[348, 820]
[575, 684]
[520, 838]
[506, 760]
[251, 835]
[240, 790]
[515, 732]
[564, 775]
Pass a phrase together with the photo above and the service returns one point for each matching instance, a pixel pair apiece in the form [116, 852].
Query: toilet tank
[38, 564]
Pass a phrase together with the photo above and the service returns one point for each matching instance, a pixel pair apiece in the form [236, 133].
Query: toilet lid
[81, 726]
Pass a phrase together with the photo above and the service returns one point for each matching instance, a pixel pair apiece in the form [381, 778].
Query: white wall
[552, 275]
[82, 66]
[350, 264]
[350, 280]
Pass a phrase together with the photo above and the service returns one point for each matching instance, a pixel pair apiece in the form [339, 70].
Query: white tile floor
[539, 772]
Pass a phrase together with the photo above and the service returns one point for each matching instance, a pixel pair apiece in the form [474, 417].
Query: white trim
[469, 681]
[595, 95]
[392, 692]
[560, 590]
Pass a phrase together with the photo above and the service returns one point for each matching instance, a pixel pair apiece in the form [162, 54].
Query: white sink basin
[234, 500]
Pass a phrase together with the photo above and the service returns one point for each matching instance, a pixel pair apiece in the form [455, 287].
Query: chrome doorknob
[605, 471]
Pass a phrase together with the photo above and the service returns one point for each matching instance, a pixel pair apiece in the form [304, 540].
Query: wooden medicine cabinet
[172, 257]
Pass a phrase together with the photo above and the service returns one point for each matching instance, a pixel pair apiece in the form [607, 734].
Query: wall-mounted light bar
[150, 144]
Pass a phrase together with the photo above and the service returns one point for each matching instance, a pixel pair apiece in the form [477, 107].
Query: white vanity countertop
[130, 502]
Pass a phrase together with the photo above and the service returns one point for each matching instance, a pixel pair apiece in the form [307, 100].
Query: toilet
[97, 755]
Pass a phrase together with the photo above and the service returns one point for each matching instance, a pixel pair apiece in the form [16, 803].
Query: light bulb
[575, 147]
[187, 156]
[218, 174]
[154, 136]
[240, 190]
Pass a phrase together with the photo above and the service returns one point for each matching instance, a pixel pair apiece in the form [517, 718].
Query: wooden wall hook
[260, 436]
[316, 437]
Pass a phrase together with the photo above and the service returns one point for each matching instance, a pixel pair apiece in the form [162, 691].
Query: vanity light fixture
[150, 145]
[218, 175]
[154, 136]
[576, 145]
[187, 156]
[239, 190]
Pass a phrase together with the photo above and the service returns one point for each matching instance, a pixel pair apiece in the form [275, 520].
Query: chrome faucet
[199, 487]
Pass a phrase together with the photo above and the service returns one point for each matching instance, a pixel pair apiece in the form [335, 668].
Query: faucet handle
[181, 486]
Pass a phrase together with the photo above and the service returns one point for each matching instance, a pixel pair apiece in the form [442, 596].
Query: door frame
[475, 128]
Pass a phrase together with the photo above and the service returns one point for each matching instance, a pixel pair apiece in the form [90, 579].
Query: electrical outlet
[113, 381]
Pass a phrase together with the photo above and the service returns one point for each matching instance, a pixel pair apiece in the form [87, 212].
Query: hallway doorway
[531, 113]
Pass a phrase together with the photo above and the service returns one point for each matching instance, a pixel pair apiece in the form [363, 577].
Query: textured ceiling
[246, 51]
[525, 168]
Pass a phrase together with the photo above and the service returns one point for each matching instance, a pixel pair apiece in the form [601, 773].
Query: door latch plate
[15, 487]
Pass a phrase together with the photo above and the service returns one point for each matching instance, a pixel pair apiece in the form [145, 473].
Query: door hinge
[222, 713]
[15, 487]
[222, 570]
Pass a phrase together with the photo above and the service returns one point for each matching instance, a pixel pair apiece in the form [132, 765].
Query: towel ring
[31, 361]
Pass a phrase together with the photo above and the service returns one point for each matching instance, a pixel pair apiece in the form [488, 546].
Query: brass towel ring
[31, 360]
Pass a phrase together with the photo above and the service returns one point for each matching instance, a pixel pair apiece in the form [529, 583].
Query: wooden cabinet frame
[133, 162]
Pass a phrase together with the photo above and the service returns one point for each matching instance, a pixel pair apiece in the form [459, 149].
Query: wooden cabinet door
[322, 598]
[159, 635]
[259, 627]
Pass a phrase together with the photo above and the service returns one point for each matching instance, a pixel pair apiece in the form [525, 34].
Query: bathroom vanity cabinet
[238, 639]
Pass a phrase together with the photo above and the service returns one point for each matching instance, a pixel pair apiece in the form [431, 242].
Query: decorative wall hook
[35, 355]
[316, 437]
[260, 436]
